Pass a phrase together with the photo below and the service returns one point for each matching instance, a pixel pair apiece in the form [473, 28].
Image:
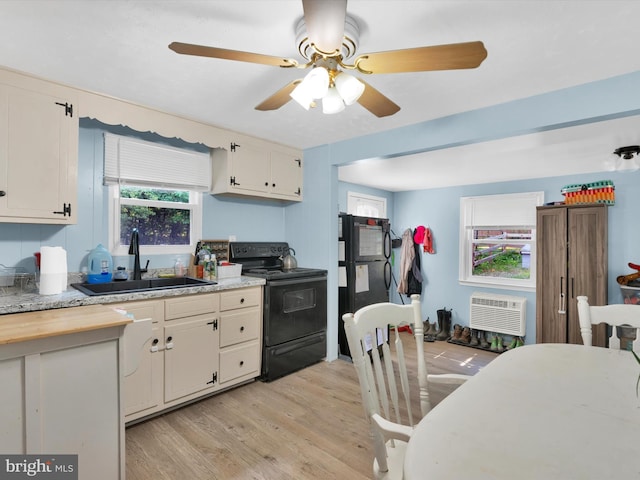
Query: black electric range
[294, 308]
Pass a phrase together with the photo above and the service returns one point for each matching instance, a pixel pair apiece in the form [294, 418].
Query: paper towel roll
[53, 270]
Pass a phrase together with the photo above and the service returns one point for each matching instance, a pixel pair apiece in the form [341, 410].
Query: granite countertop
[33, 301]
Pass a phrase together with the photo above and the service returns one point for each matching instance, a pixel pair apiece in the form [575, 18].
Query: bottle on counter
[206, 268]
[178, 268]
[213, 273]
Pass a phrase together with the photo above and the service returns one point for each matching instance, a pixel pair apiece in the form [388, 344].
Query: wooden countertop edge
[21, 327]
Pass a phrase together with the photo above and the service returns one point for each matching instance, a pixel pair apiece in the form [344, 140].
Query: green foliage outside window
[157, 225]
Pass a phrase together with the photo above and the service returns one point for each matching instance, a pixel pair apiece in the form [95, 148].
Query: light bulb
[332, 102]
[317, 82]
[301, 95]
[349, 87]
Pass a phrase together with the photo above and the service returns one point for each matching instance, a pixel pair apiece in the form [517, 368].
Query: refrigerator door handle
[387, 245]
[387, 275]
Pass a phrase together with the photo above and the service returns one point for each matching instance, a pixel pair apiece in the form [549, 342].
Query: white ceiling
[119, 48]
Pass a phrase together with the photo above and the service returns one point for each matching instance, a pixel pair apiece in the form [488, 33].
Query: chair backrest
[382, 371]
[614, 315]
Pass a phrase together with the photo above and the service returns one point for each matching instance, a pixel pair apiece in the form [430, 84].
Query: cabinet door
[551, 276]
[286, 175]
[80, 407]
[190, 357]
[587, 266]
[12, 418]
[143, 388]
[250, 167]
[38, 157]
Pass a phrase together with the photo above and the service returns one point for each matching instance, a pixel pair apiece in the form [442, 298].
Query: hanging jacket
[407, 254]
[414, 276]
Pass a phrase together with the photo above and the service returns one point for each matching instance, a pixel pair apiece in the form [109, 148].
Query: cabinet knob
[169, 339]
[241, 362]
[242, 328]
[273, 185]
[242, 300]
[155, 341]
[2, 193]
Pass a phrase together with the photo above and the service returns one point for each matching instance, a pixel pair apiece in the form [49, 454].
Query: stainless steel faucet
[134, 249]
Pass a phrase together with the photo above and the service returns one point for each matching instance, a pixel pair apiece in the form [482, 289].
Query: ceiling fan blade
[376, 102]
[325, 23]
[422, 59]
[214, 52]
[279, 98]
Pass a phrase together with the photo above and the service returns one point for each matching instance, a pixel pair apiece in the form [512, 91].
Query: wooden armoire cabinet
[571, 246]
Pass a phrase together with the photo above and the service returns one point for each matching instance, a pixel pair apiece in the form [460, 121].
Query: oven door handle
[295, 281]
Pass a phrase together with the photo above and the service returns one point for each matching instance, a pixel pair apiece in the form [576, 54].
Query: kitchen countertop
[31, 302]
[22, 327]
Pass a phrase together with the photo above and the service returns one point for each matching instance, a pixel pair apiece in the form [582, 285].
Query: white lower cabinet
[190, 357]
[61, 395]
[200, 344]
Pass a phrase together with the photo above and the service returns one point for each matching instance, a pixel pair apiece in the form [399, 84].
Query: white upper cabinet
[38, 154]
[253, 167]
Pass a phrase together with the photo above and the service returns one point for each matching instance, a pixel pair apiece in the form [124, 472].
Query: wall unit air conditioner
[498, 313]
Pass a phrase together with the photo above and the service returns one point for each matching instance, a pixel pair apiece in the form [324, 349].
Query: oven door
[294, 308]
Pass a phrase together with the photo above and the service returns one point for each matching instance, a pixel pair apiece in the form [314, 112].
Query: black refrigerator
[364, 268]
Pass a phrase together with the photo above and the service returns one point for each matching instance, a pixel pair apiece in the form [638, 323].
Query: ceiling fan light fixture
[349, 87]
[332, 102]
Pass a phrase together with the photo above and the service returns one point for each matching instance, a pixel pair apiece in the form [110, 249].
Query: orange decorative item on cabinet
[602, 191]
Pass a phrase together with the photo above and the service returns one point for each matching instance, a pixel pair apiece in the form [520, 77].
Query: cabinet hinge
[214, 324]
[232, 181]
[68, 108]
[298, 192]
[233, 146]
[299, 161]
[66, 210]
[214, 378]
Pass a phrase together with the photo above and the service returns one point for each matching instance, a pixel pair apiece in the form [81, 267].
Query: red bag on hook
[428, 241]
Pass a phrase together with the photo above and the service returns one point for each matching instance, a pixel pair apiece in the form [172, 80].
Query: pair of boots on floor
[439, 331]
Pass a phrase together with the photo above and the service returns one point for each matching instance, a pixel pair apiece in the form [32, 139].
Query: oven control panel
[239, 250]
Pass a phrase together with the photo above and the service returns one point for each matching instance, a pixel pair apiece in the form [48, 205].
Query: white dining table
[544, 411]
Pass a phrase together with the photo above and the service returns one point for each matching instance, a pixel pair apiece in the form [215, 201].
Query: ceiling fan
[327, 36]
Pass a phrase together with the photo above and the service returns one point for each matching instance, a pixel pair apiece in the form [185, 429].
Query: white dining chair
[384, 381]
[614, 315]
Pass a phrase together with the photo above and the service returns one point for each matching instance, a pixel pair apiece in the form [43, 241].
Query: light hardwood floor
[308, 425]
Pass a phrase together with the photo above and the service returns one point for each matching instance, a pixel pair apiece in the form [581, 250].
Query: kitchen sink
[132, 286]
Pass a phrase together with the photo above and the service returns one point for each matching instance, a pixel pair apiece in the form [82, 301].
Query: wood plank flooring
[308, 425]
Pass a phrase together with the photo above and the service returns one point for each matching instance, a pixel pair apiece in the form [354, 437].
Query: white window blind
[508, 210]
[132, 161]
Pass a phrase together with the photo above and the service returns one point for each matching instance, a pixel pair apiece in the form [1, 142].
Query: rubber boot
[428, 331]
[494, 344]
[519, 342]
[443, 333]
[500, 346]
[513, 344]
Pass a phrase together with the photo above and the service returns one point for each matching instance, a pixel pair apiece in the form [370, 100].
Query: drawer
[239, 326]
[240, 360]
[153, 309]
[180, 307]
[246, 297]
